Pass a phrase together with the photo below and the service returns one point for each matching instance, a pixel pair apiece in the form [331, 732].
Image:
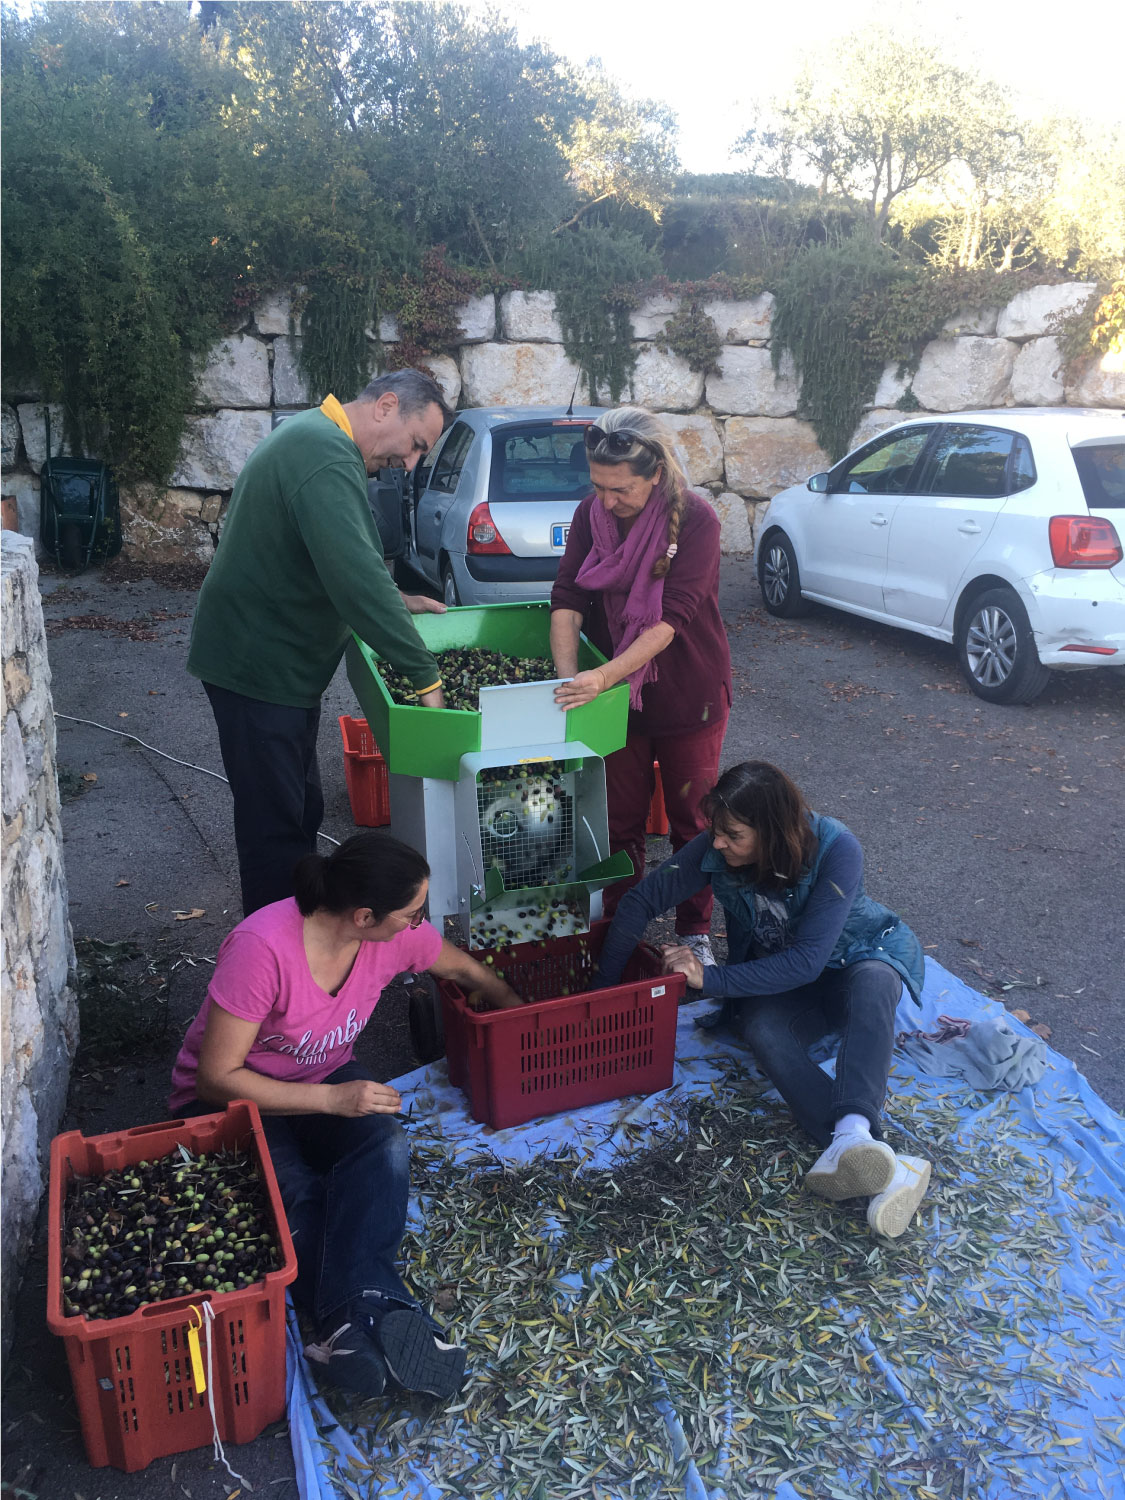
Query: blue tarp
[1060, 1126]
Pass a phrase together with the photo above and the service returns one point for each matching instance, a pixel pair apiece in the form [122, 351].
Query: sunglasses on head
[617, 443]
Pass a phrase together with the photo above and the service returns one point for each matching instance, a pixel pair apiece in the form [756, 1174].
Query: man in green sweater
[299, 567]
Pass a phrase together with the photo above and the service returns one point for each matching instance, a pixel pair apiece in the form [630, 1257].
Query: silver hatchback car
[489, 507]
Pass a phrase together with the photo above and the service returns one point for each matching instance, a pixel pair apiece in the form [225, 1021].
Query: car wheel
[997, 649]
[779, 577]
[449, 587]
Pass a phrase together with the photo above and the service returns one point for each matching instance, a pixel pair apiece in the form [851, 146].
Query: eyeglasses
[414, 918]
[617, 443]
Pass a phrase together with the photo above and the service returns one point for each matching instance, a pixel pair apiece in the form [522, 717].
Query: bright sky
[710, 61]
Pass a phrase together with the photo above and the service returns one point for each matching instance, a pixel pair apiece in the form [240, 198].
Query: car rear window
[1101, 468]
[539, 461]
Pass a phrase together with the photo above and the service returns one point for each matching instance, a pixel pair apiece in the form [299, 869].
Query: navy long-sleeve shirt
[812, 937]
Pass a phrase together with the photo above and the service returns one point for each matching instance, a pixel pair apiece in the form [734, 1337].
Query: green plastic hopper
[419, 741]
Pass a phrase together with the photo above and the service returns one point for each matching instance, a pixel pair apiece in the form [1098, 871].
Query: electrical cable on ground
[128, 735]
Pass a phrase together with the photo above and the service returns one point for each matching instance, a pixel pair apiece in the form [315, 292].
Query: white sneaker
[853, 1166]
[891, 1212]
[699, 944]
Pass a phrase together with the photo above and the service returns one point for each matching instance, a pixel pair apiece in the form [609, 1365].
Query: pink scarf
[621, 571]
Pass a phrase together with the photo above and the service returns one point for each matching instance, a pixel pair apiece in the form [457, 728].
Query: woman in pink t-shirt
[294, 985]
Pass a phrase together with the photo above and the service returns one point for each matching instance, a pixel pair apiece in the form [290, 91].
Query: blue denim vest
[871, 930]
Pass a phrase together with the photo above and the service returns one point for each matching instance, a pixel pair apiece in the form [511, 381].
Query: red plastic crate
[132, 1376]
[365, 772]
[657, 815]
[560, 1053]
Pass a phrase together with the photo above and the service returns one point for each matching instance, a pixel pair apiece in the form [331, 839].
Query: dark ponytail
[369, 869]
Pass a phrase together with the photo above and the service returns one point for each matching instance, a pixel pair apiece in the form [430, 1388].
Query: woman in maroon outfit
[640, 576]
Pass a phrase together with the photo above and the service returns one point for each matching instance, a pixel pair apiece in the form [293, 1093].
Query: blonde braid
[676, 503]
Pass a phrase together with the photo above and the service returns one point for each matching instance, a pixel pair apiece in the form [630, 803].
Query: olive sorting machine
[507, 803]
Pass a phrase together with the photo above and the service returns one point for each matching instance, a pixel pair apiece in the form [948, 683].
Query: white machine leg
[422, 815]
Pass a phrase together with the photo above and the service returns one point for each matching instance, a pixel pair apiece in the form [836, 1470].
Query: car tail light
[1084, 542]
[483, 533]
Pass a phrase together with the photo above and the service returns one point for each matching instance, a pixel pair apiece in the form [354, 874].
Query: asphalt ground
[996, 832]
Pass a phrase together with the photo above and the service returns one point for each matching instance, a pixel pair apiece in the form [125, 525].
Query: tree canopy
[165, 165]
[919, 143]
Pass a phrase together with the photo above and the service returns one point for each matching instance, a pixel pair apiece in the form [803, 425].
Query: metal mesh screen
[526, 815]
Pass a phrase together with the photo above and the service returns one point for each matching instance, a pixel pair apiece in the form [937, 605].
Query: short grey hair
[415, 390]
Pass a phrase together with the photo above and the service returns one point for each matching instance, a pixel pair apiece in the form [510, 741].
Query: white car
[995, 530]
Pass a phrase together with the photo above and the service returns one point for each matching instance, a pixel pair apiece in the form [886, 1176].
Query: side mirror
[818, 484]
[386, 497]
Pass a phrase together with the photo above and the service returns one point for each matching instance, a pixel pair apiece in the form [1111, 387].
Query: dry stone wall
[741, 437]
[38, 1009]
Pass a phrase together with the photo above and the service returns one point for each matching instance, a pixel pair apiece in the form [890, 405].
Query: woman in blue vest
[809, 955]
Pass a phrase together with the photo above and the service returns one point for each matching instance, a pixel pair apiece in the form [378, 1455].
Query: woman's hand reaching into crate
[476, 979]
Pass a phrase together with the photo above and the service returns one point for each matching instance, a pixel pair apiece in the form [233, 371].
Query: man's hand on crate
[422, 604]
[683, 961]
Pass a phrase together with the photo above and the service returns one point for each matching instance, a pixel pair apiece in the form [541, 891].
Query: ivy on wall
[814, 320]
[598, 277]
[844, 312]
[694, 336]
[424, 304]
[336, 312]
[1096, 329]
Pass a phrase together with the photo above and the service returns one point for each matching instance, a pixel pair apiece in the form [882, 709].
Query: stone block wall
[38, 1008]
[741, 437]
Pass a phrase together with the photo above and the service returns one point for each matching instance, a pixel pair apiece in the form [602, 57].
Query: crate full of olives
[570, 1044]
[145, 1228]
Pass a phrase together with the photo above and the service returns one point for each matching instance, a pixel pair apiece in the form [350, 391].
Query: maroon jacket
[692, 688]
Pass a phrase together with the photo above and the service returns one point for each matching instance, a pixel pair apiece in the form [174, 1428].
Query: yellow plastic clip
[193, 1349]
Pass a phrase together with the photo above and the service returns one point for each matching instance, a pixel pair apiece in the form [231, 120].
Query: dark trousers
[345, 1184]
[269, 755]
[859, 1003]
[689, 768]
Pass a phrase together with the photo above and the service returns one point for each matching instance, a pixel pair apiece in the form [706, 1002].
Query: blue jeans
[345, 1185]
[859, 1004]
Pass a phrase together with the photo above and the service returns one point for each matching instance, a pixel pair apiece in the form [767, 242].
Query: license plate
[559, 534]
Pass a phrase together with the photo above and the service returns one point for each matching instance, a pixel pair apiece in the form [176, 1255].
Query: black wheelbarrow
[79, 512]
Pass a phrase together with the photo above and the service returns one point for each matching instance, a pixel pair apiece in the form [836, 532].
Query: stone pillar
[39, 1012]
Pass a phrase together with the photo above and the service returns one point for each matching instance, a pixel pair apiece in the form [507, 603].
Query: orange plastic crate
[365, 772]
[657, 814]
[563, 1052]
[132, 1376]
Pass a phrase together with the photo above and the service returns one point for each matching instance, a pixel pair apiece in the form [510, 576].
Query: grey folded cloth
[986, 1054]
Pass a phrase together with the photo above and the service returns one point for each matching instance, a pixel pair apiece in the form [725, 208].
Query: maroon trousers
[689, 768]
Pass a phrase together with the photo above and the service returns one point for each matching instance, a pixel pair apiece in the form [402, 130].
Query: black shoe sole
[414, 1359]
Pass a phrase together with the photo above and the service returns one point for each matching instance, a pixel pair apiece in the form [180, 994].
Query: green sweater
[298, 568]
